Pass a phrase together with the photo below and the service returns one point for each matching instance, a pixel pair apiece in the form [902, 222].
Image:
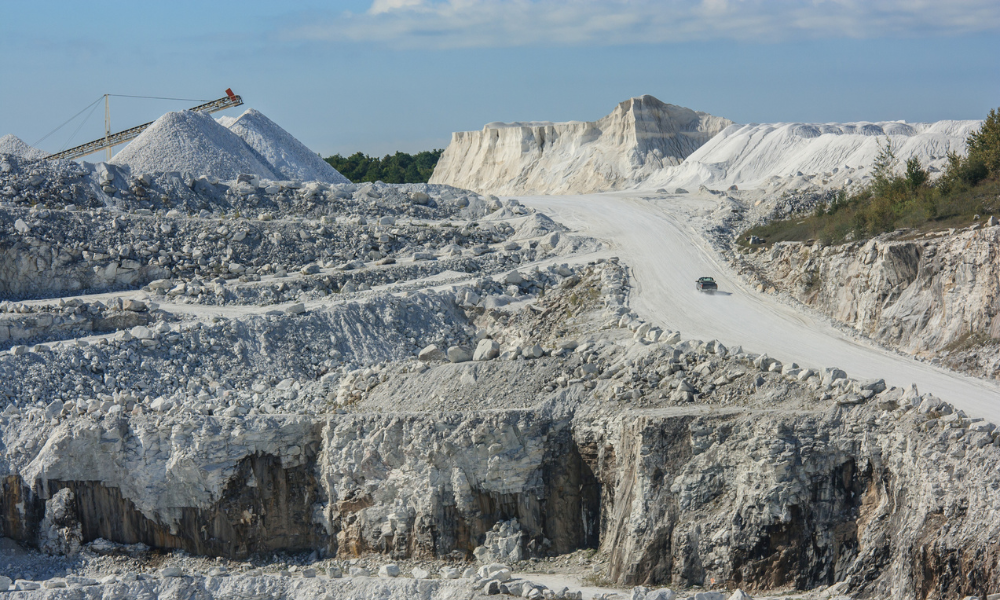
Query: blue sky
[385, 75]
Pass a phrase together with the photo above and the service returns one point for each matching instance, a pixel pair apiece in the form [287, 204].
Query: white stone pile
[285, 155]
[11, 144]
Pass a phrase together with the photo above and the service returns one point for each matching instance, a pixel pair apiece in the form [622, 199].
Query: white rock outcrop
[641, 136]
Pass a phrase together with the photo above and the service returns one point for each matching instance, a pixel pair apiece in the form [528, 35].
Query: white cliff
[641, 136]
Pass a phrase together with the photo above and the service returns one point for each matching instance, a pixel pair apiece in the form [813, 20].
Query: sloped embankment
[935, 296]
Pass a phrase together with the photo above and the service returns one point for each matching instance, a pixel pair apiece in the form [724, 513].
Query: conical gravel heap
[193, 143]
[288, 157]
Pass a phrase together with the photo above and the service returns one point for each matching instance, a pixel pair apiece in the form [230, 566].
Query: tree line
[395, 168]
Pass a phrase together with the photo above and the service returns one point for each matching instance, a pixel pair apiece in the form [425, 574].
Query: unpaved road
[657, 240]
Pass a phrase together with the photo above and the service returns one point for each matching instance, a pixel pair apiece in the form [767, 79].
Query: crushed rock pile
[251, 145]
[191, 142]
[11, 144]
[287, 156]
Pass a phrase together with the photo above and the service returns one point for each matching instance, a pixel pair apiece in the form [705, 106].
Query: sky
[380, 76]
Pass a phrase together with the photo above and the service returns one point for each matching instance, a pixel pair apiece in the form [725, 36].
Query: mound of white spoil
[193, 143]
[640, 137]
[287, 156]
[11, 144]
[801, 155]
[226, 121]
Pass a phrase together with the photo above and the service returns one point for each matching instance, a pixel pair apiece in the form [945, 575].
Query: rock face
[755, 499]
[921, 296]
[859, 490]
[641, 136]
[353, 485]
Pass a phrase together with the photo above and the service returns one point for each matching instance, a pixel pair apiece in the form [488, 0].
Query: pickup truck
[706, 284]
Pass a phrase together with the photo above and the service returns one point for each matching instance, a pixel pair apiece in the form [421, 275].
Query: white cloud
[504, 23]
[384, 6]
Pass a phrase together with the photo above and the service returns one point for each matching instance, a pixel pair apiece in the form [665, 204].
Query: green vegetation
[906, 198]
[397, 168]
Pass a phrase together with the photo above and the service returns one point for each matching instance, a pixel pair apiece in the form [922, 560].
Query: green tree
[884, 169]
[916, 176]
[396, 168]
[984, 145]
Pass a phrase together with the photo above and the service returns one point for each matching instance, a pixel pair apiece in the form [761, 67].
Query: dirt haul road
[658, 240]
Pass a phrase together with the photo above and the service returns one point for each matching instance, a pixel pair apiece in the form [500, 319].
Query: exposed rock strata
[756, 499]
[641, 136]
[927, 296]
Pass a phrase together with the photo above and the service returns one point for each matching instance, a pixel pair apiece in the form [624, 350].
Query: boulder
[54, 409]
[24, 586]
[134, 305]
[141, 332]
[533, 351]
[486, 350]
[832, 374]
[568, 344]
[389, 570]
[171, 572]
[513, 278]
[875, 385]
[296, 309]
[419, 573]
[458, 354]
[432, 353]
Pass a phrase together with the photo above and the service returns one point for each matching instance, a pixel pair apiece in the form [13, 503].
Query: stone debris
[505, 543]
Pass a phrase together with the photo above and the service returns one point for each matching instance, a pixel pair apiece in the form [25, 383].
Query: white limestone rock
[486, 350]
